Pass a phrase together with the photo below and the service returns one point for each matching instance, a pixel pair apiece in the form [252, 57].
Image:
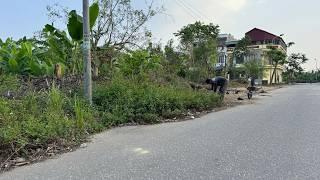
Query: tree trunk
[273, 73]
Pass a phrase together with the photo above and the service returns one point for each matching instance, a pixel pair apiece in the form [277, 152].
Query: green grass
[125, 101]
[42, 118]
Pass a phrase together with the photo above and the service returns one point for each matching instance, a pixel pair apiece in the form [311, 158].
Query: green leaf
[13, 65]
[75, 22]
[94, 13]
[49, 28]
[35, 68]
[26, 48]
[75, 26]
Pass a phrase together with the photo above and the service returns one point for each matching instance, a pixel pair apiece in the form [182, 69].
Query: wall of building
[268, 73]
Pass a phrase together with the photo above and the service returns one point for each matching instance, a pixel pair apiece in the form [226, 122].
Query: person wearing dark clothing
[216, 82]
[252, 81]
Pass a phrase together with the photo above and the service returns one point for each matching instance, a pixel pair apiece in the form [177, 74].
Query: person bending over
[218, 82]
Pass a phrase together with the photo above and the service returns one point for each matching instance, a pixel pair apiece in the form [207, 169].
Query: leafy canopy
[276, 56]
[197, 32]
[253, 68]
[295, 61]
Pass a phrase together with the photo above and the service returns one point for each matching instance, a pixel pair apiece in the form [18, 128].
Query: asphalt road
[276, 138]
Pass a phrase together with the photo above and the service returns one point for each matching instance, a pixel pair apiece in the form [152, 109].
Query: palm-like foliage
[277, 58]
[21, 58]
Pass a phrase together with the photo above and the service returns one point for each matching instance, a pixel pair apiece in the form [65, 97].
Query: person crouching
[218, 82]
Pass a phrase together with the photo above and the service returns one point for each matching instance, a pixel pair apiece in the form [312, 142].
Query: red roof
[261, 35]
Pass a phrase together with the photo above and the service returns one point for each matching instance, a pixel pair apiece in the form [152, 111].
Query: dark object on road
[250, 91]
[216, 82]
[240, 99]
[237, 91]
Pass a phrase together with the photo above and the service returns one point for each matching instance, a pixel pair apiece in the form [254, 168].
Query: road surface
[276, 138]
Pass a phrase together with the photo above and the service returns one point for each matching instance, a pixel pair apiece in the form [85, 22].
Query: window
[221, 59]
[240, 60]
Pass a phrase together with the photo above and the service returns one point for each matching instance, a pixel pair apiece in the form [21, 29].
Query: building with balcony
[260, 43]
[223, 41]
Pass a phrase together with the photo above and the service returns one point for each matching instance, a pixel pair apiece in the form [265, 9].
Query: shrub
[42, 118]
[137, 64]
[8, 83]
[124, 101]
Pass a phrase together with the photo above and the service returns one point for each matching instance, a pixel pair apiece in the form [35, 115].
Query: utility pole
[87, 52]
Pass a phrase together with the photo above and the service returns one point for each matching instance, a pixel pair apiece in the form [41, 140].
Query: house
[223, 41]
[260, 43]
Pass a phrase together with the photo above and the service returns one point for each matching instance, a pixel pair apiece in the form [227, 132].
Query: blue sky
[20, 18]
[297, 19]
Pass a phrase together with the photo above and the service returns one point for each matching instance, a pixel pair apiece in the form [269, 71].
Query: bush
[8, 83]
[39, 119]
[42, 118]
[124, 101]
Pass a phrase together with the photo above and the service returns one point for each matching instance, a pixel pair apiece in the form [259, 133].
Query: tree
[119, 26]
[277, 58]
[137, 64]
[62, 47]
[294, 65]
[176, 61]
[240, 51]
[254, 68]
[241, 48]
[76, 22]
[59, 48]
[200, 40]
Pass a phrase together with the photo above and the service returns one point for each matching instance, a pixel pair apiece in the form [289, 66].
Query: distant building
[223, 41]
[260, 43]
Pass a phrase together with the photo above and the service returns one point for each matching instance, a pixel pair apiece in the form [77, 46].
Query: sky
[297, 19]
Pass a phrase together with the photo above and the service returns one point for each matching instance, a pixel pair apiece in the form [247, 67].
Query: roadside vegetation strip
[44, 123]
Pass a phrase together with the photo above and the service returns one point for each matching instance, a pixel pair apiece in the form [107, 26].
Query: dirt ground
[238, 96]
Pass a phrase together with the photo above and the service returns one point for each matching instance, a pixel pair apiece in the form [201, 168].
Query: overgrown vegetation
[35, 121]
[125, 101]
[43, 119]
[137, 81]
[303, 77]
[199, 41]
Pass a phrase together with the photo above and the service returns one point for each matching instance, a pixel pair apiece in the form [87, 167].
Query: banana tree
[21, 58]
[65, 49]
[75, 22]
[58, 48]
[75, 25]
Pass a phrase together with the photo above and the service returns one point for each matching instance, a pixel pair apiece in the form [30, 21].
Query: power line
[190, 9]
[190, 13]
[195, 10]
